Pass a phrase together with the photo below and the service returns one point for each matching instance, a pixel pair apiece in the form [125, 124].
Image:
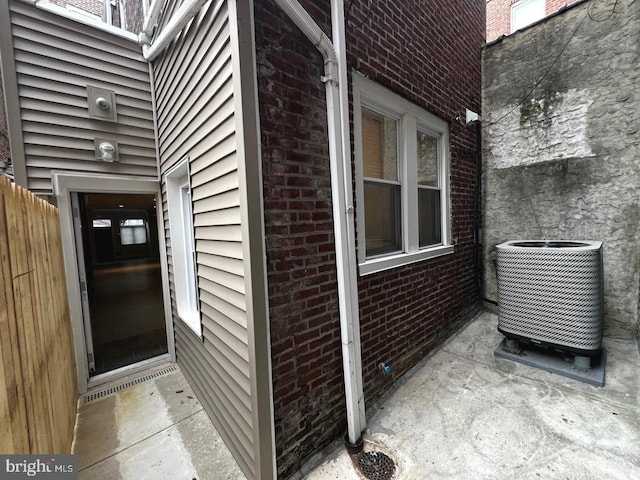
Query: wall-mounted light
[106, 150]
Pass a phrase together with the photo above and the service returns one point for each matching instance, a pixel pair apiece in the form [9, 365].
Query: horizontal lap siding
[56, 59]
[195, 104]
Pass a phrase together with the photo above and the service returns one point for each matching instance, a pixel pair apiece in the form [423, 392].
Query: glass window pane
[101, 223]
[126, 236]
[379, 146]
[429, 217]
[139, 235]
[131, 222]
[133, 235]
[526, 12]
[382, 218]
[427, 160]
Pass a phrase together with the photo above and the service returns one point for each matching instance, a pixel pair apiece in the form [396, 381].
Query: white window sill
[375, 265]
[191, 318]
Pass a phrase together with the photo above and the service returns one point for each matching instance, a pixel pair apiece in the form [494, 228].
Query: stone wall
[561, 159]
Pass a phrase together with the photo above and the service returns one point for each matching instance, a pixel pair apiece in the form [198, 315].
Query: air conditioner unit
[550, 293]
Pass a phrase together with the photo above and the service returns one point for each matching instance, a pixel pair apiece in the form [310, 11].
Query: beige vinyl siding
[55, 59]
[194, 87]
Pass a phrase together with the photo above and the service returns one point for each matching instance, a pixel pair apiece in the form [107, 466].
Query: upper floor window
[402, 188]
[526, 12]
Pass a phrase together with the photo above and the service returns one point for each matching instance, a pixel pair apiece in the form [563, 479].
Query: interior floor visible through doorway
[127, 314]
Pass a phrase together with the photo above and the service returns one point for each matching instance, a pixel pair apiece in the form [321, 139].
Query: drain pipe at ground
[335, 79]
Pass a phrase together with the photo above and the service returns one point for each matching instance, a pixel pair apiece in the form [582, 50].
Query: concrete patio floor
[155, 430]
[460, 414]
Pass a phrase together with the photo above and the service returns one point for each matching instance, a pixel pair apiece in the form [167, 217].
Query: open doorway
[120, 279]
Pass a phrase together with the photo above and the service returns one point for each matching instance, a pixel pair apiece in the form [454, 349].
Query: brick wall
[433, 60]
[133, 15]
[307, 365]
[498, 18]
[499, 15]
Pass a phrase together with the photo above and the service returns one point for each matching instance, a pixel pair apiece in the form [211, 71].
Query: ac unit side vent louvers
[551, 292]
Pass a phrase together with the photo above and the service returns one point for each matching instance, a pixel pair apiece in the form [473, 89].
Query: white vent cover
[551, 292]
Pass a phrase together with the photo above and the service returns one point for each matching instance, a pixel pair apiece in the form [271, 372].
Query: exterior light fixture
[106, 150]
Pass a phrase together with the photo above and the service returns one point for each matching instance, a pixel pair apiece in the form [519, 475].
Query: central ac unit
[550, 293]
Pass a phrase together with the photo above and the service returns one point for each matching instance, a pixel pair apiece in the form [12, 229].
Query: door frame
[64, 183]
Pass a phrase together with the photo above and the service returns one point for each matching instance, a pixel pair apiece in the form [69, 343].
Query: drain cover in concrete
[375, 465]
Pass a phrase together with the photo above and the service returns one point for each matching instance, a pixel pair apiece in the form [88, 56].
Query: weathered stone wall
[564, 163]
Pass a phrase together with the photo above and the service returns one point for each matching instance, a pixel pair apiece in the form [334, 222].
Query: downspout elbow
[151, 19]
[314, 33]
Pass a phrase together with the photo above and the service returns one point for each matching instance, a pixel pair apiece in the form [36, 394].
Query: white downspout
[185, 13]
[150, 20]
[351, 274]
[338, 129]
[108, 12]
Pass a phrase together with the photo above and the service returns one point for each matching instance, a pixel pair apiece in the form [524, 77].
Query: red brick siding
[306, 355]
[433, 59]
[499, 15]
[498, 18]
[133, 15]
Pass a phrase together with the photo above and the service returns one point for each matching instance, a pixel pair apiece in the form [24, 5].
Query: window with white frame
[526, 12]
[183, 244]
[133, 231]
[402, 187]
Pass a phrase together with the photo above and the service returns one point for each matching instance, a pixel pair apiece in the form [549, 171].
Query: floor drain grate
[90, 397]
[375, 465]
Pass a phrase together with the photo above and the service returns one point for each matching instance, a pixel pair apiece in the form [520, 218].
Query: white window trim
[89, 20]
[519, 8]
[186, 286]
[410, 118]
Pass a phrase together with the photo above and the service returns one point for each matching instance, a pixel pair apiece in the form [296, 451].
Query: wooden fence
[38, 390]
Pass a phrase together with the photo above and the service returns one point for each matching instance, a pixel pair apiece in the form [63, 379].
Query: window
[183, 245]
[526, 12]
[101, 223]
[133, 231]
[402, 188]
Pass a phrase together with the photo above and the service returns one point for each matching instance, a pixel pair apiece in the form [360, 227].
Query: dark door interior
[124, 282]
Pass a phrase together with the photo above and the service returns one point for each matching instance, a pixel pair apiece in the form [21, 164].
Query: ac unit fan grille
[552, 296]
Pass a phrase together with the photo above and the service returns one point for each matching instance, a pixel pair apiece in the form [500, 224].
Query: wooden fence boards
[38, 391]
